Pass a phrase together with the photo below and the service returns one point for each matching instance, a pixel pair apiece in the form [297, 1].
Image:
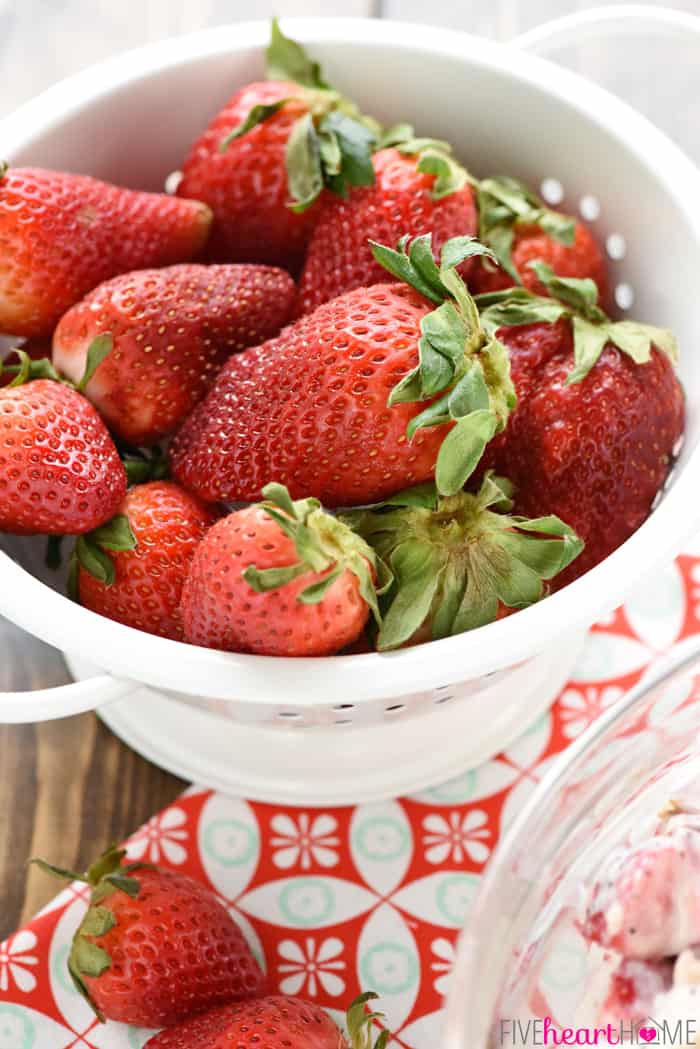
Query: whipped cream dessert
[643, 912]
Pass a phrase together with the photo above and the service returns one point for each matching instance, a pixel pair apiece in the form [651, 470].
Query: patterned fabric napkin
[335, 900]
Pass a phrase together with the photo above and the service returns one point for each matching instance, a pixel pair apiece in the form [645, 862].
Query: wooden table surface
[67, 788]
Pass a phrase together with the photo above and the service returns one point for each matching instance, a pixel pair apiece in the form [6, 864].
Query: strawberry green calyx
[504, 204]
[360, 1024]
[4, 168]
[324, 545]
[463, 370]
[434, 158]
[576, 300]
[105, 877]
[456, 560]
[331, 145]
[29, 369]
[92, 552]
[145, 464]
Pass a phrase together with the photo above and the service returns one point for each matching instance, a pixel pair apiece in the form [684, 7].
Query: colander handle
[18, 708]
[618, 18]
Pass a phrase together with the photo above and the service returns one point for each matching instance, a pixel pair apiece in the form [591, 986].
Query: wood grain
[67, 788]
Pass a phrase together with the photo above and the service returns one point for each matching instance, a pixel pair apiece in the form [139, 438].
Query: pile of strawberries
[157, 949]
[326, 313]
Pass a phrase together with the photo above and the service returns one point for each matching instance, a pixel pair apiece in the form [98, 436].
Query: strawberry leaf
[98, 350]
[325, 545]
[304, 170]
[115, 534]
[315, 592]
[450, 175]
[95, 561]
[349, 162]
[456, 559]
[256, 115]
[462, 449]
[4, 168]
[285, 59]
[515, 306]
[504, 203]
[262, 580]
[580, 294]
[457, 357]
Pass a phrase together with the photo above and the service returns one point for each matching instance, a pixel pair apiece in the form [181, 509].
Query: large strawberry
[156, 947]
[171, 329]
[60, 472]
[600, 412]
[283, 579]
[283, 1022]
[520, 229]
[133, 568]
[267, 155]
[374, 391]
[457, 561]
[419, 188]
[61, 234]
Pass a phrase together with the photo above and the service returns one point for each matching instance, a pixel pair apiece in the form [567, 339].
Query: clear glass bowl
[521, 955]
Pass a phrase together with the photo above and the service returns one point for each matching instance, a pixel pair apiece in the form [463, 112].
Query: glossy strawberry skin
[221, 610]
[339, 257]
[281, 1022]
[175, 952]
[246, 185]
[596, 452]
[581, 259]
[172, 329]
[309, 409]
[61, 234]
[60, 473]
[168, 524]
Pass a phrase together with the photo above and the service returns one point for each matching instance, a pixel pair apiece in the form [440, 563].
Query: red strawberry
[519, 229]
[155, 946]
[61, 234]
[340, 406]
[171, 330]
[600, 413]
[424, 191]
[283, 1023]
[133, 568]
[460, 562]
[281, 579]
[59, 470]
[266, 156]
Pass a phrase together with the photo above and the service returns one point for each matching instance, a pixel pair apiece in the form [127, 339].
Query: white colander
[359, 727]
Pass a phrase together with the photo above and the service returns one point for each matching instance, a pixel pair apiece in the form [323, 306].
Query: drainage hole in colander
[552, 190]
[589, 206]
[289, 715]
[624, 296]
[616, 246]
[444, 699]
[343, 721]
[344, 706]
[396, 708]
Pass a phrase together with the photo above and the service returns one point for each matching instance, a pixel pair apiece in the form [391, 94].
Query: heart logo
[647, 1033]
